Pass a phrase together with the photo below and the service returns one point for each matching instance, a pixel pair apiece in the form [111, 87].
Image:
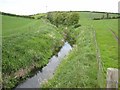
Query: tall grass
[79, 68]
[27, 43]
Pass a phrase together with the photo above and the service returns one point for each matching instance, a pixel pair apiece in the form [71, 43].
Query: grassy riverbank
[80, 67]
[27, 44]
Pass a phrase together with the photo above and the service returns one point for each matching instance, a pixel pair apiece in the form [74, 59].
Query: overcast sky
[26, 7]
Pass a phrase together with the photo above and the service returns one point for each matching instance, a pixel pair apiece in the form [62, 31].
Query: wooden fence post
[112, 78]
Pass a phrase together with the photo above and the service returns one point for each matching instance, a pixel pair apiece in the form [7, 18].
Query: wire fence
[103, 75]
[101, 70]
[106, 78]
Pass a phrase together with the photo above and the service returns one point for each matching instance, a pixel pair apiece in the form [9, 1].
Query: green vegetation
[63, 18]
[39, 15]
[107, 42]
[14, 15]
[13, 25]
[105, 15]
[27, 44]
[79, 70]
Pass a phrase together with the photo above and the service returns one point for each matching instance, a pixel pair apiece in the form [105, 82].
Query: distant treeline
[107, 18]
[63, 18]
[23, 16]
[104, 12]
[95, 12]
[87, 11]
[108, 14]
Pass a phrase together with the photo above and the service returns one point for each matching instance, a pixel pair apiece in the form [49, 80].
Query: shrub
[73, 18]
[63, 18]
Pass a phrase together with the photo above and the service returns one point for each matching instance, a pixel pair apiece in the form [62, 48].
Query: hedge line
[23, 16]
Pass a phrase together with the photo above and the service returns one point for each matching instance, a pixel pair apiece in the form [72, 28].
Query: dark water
[48, 71]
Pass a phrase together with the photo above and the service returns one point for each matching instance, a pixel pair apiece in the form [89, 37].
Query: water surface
[48, 71]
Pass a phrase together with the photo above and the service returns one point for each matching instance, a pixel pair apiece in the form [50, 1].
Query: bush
[73, 18]
[63, 18]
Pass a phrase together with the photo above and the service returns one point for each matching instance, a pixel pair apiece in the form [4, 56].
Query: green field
[107, 42]
[100, 15]
[28, 44]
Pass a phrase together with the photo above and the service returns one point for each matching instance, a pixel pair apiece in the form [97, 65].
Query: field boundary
[0, 52]
[101, 71]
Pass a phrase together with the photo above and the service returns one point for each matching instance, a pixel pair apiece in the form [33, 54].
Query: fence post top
[112, 78]
[112, 69]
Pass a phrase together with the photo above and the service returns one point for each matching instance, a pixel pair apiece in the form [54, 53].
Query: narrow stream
[48, 71]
